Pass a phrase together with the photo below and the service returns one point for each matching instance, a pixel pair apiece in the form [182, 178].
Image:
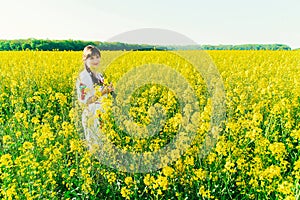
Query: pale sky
[205, 22]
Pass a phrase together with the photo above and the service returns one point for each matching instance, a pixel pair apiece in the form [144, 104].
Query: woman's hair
[90, 50]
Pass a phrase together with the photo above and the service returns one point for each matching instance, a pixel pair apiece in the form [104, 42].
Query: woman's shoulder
[84, 74]
[84, 77]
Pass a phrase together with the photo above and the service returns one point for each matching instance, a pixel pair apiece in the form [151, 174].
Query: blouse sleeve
[84, 92]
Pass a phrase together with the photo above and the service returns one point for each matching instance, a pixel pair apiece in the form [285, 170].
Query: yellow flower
[126, 192]
[189, 160]
[5, 160]
[240, 163]
[10, 193]
[277, 149]
[128, 180]
[205, 193]
[111, 177]
[229, 166]
[56, 118]
[199, 174]
[168, 171]
[296, 134]
[211, 157]
[297, 165]
[35, 120]
[6, 139]
[28, 145]
[285, 187]
[72, 172]
[62, 99]
[148, 179]
[159, 192]
[270, 173]
[18, 134]
[162, 182]
[75, 146]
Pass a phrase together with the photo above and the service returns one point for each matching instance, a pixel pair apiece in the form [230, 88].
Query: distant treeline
[78, 45]
[236, 47]
[65, 45]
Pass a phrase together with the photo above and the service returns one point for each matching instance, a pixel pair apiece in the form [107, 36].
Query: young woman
[89, 83]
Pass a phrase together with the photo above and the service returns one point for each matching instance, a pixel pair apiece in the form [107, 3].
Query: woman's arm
[106, 90]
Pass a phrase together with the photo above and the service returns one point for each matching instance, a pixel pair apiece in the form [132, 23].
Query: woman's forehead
[95, 55]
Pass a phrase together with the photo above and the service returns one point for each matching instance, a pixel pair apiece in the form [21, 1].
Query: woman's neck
[88, 69]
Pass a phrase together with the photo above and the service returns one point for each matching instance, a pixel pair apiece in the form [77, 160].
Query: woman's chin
[93, 68]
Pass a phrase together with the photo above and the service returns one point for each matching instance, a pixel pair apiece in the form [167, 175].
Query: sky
[205, 22]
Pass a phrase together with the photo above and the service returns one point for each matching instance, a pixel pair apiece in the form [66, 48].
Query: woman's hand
[92, 99]
[108, 89]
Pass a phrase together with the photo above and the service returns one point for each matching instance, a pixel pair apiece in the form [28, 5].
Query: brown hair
[90, 50]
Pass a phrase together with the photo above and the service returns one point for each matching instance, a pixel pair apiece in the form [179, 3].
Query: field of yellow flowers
[43, 154]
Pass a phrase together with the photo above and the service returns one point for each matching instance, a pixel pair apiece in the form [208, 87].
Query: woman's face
[93, 62]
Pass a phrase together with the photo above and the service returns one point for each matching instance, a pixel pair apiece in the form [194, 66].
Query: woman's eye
[95, 57]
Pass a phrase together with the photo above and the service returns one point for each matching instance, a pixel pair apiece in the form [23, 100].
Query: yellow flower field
[43, 154]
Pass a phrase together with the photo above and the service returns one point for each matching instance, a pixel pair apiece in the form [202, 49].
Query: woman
[89, 84]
